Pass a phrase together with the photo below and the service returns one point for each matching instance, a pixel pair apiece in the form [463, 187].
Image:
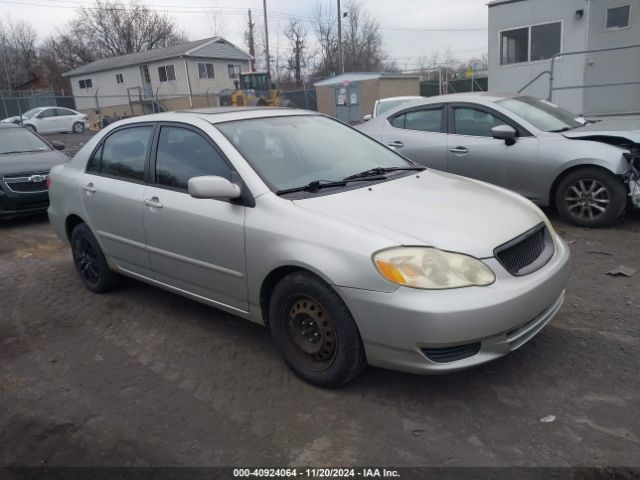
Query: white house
[183, 76]
[524, 35]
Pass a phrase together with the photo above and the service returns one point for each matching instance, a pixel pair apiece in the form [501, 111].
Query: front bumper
[396, 327]
[18, 204]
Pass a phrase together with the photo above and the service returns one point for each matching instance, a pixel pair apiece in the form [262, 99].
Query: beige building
[183, 76]
[350, 96]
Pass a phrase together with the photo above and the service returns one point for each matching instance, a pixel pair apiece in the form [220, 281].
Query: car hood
[433, 208]
[30, 162]
[609, 128]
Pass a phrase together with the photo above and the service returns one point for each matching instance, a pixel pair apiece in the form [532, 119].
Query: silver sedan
[590, 170]
[349, 253]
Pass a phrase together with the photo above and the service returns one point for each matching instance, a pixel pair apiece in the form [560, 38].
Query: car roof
[224, 114]
[406, 97]
[10, 125]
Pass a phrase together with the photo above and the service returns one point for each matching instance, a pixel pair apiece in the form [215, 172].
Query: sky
[410, 28]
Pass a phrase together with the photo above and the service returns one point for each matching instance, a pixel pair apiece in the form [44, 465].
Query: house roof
[495, 3]
[216, 47]
[358, 77]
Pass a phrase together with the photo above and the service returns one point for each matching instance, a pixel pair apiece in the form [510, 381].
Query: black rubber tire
[614, 185]
[349, 358]
[31, 127]
[106, 279]
[78, 127]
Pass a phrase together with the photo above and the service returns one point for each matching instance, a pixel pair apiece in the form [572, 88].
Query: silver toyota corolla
[590, 170]
[348, 252]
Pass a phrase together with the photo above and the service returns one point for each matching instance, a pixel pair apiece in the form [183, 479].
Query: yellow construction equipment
[253, 89]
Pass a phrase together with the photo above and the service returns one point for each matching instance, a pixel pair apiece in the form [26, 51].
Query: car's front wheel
[314, 331]
[90, 261]
[591, 197]
[78, 127]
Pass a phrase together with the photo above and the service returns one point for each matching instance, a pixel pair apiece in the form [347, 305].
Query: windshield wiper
[380, 171]
[320, 184]
[21, 151]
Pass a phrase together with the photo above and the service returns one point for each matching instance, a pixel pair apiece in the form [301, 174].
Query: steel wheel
[87, 260]
[587, 199]
[311, 332]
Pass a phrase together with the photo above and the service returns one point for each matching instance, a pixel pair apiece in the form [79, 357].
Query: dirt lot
[143, 377]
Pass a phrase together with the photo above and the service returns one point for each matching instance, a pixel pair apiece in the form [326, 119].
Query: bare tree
[296, 35]
[216, 20]
[18, 56]
[362, 41]
[117, 29]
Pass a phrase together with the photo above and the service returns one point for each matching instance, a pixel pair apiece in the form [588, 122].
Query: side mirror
[213, 187]
[57, 145]
[504, 132]
[367, 117]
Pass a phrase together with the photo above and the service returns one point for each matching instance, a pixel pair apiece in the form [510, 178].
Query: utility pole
[266, 38]
[340, 58]
[252, 49]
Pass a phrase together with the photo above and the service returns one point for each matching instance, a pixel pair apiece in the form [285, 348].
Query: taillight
[48, 182]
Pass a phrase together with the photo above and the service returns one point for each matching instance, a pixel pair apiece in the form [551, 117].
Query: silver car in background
[389, 103]
[348, 252]
[590, 171]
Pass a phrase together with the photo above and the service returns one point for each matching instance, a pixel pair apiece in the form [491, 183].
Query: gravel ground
[144, 377]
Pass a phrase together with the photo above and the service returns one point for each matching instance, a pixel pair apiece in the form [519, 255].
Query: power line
[187, 9]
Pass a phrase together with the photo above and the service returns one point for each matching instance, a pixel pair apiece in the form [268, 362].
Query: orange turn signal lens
[390, 272]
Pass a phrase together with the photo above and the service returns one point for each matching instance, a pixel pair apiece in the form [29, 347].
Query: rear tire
[590, 197]
[78, 127]
[90, 261]
[314, 331]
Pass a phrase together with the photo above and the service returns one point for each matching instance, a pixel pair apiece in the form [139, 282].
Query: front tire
[78, 127]
[590, 197]
[314, 331]
[90, 261]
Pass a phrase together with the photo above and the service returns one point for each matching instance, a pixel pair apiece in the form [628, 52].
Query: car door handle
[459, 150]
[396, 144]
[89, 188]
[153, 202]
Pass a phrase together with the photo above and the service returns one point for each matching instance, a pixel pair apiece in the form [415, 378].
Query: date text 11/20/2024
[315, 472]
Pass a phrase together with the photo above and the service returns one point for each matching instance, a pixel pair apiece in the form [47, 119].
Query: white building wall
[104, 84]
[569, 70]
[200, 86]
[110, 93]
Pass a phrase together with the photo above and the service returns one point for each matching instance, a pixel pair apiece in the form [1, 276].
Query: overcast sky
[464, 21]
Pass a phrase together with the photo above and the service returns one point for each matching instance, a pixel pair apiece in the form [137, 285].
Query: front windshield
[292, 151]
[20, 140]
[32, 112]
[541, 114]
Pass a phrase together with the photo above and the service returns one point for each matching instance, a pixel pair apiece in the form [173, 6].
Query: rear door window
[425, 120]
[123, 154]
[183, 154]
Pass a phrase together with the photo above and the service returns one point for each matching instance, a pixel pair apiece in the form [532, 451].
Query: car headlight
[430, 268]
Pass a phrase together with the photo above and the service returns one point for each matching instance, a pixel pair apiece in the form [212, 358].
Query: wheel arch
[571, 169]
[71, 222]
[271, 280]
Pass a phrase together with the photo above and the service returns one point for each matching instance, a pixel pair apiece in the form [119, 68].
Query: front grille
[451, 354]
[528, 252]
[29, 182]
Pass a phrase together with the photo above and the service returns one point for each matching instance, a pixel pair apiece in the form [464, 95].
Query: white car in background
[52, 120]
[384, 104]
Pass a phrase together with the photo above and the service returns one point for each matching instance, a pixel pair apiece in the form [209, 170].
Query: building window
[618, 17]
[531, 43]
[205, 70]
[119, 78]
[234, 71]
[166, 73]
[85, 83]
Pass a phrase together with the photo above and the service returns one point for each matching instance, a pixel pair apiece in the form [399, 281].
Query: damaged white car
[590, 170]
